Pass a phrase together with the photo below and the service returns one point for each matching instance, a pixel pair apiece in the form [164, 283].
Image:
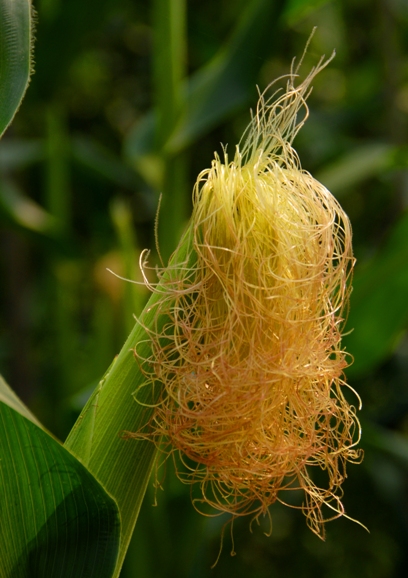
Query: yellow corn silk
[250, 357]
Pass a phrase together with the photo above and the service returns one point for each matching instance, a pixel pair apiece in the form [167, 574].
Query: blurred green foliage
[123, 107]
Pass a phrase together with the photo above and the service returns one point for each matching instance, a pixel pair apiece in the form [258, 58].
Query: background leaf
[25, 212]
[295, 10]
[379, 304]
[356, 166]
[218, 89]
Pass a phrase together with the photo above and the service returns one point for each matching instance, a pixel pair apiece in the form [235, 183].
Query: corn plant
[235, 366]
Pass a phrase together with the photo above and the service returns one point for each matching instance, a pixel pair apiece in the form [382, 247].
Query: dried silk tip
[250, 356]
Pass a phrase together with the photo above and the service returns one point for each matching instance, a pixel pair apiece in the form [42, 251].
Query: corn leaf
[56, 519]
[16, 35]
[8, 397]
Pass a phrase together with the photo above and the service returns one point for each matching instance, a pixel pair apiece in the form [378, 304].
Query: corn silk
[249, 360]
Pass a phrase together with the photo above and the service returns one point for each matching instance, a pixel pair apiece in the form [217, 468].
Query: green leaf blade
[16, 34]
[56, 519]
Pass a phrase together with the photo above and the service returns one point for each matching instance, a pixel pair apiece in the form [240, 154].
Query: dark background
[81, 169]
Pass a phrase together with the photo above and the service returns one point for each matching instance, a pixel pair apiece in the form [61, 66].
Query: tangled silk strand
[250, 358]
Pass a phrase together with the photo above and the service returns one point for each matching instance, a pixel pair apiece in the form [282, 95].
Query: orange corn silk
[250, 359]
